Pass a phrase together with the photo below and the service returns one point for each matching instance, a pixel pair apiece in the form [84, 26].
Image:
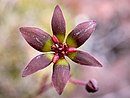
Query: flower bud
[92, 86]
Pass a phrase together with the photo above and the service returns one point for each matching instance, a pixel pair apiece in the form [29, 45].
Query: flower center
[60, 49]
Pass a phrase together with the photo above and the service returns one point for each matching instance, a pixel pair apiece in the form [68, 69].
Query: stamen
[57, 46]
[71, 49]
[53, 47]
[55, 58]
[54, 38]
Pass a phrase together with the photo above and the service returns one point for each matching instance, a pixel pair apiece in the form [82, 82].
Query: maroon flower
[43, 42]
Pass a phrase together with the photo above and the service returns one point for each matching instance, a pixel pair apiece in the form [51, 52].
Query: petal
[37, 63]
[58, 24]
[84, 58]
[37, 38]
[80, 33]
[61, 74]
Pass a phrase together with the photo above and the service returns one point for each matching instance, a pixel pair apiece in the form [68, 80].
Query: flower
[43, 42]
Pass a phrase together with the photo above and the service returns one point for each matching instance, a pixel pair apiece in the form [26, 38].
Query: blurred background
[110, 44]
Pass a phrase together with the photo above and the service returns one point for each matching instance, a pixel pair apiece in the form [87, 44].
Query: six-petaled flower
[43, 42]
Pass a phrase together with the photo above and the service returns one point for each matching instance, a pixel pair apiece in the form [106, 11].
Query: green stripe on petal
[49, 56]
[47, 46]
[72, 55]
[71, 42]
[62, 62]
[60, 37]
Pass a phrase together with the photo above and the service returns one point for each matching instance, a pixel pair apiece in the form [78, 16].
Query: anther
[56, 45]
[71, 49]
[54, 38]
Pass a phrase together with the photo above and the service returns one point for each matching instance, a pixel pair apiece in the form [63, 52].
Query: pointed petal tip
[92, 23]
[21, 29]
[57, 6]
[92, 65]
[23, 75]
[59, 92]
[99, 64]
[96, 65]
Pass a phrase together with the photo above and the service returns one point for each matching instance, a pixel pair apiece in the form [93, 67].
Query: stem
[78, 82]
[42, 90]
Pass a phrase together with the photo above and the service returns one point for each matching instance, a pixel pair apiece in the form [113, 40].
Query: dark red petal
[37, 38]
[61, 74]
[84, 58]
[80, 33]
[58, 24]
[37, 63]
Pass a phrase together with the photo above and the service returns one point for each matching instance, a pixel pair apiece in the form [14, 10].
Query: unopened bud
[92, 86]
